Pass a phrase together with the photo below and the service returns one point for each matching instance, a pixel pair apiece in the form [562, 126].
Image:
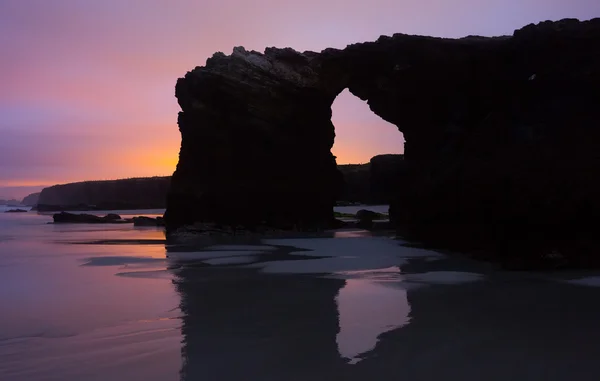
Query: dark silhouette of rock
[365, 214]
[366, 219]
[148, 221]
[112, 217]
[256, 141]
[386, 177]
[151, 193]
[136, 193]
[376, 182]
[356, 186]
[31, 200]
[501, 137]
[72, 218]
[16, 211]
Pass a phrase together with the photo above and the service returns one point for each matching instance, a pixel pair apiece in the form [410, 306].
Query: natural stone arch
[259, 125]
[479, 116]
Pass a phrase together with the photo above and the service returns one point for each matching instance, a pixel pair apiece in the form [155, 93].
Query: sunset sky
[87, 86]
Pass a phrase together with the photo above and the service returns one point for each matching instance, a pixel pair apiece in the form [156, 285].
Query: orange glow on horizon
[159, 157]
[91, 97]
[24, 183]
[156, 158]
[352, 157]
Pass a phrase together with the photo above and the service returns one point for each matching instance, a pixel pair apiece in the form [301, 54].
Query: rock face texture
[501, 133]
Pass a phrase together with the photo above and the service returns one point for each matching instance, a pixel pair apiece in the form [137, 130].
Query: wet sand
[89, 302]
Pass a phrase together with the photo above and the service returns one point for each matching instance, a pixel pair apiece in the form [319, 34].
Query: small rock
[148, 221]
[365, 215]
[72, 218]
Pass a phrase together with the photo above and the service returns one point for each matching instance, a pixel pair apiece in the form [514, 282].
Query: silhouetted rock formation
[386, 177]
[356, 183]
[256, 140]
[16, 211]
[151, 193]
[71, 218]
[148, 221]
[501, 137]
[366, 220]
[137, 193]
[376, 182]
[31, 200]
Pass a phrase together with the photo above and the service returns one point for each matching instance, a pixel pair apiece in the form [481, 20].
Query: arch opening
[368, 150]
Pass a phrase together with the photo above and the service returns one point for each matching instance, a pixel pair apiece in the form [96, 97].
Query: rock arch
[479, 116]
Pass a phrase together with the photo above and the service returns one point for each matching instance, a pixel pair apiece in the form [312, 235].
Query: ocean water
[114, 302]
[4, 208]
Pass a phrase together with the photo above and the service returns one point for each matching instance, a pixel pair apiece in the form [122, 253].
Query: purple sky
[86, 86]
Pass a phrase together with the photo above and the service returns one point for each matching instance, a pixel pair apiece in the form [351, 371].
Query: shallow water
[100, 302]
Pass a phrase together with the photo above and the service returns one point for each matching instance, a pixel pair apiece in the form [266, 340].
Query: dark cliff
[135, 193]
[32, 199]
[356, 183]
[376, 182]
[151, 193]
[386, 178]
[501, 134]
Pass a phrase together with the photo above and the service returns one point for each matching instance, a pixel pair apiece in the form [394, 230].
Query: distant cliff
[135, 193]
[32, 199]
[151, 193]
[376, 182]
[356, 182]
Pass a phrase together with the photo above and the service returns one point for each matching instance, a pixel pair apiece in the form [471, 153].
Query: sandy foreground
[113, 302]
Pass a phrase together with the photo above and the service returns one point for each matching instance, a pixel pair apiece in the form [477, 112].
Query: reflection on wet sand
[109, 308]
[239, 323]
[366, 310]
[510, 329]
